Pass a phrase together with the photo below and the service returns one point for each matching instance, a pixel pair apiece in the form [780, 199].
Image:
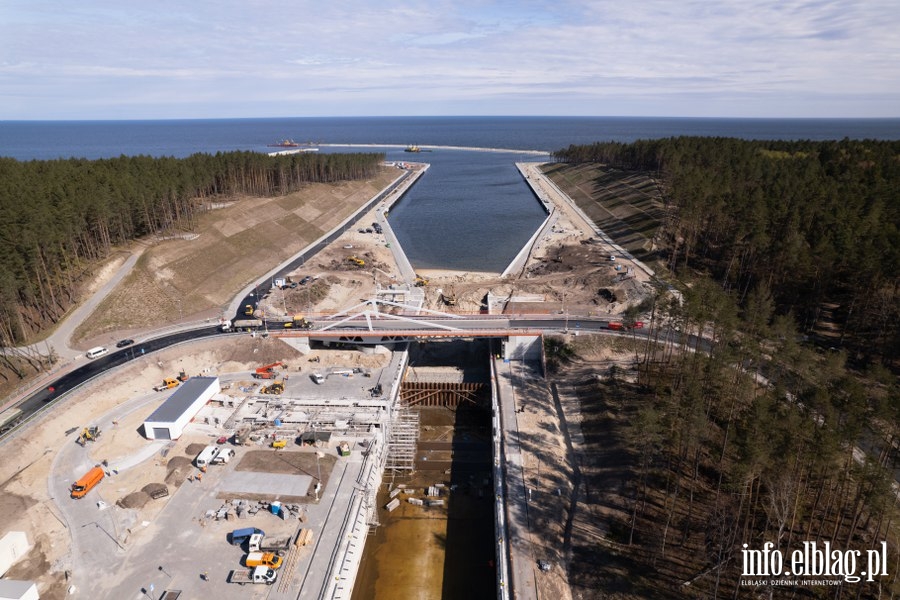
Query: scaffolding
[403, 436]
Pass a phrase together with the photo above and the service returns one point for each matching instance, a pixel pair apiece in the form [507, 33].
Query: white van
[223, 456]
[206, 456]
[95, 352]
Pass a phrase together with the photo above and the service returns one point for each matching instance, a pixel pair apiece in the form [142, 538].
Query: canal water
[471, 211]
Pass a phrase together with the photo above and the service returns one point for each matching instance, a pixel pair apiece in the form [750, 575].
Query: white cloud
[771, 57]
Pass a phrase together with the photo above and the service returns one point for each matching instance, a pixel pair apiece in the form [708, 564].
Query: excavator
[88, 434]
[301, 322]
[357, 261]
[276, 387]
[267, 371]
[421, 281]
[448, 298]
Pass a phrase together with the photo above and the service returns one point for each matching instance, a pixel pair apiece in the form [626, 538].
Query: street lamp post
[318, 475]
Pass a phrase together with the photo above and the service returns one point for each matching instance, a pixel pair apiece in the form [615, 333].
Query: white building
[13, 546]
[11, 589]
[169, 420]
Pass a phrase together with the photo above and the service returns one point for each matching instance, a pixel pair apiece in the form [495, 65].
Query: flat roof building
[169, 420]
[13, 546]
[11, 589]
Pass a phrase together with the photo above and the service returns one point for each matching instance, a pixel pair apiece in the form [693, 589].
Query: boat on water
[287, 143]
[414, 148]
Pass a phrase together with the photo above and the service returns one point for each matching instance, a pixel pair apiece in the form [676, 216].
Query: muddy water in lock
[430, 553]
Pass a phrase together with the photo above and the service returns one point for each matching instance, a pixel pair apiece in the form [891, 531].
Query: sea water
[472, 211]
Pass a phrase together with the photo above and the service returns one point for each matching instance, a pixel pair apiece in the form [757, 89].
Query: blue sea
[471, 211]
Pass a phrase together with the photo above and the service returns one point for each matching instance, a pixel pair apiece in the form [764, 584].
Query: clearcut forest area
[773, 412]
[65, 218]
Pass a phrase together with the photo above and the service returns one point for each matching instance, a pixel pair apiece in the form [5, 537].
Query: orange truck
[81, 487]
[263, 559]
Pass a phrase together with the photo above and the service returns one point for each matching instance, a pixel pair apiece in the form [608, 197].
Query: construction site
[390, 457]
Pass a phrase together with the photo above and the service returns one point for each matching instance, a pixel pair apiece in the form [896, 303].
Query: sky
[123, 59]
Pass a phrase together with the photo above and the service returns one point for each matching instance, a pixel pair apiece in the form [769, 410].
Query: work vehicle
[239, 536]
[81, 487]
[9, 418]
[421, 281]
[167, 384]
[96, 352]
[206, 456]
[247, 324]
[276, 387]
[182, 376]
[260, 543]
[123, 343]
[279, 444]
[257, 575]
[267, 371]
[248, 310]
[222, 456]
[88, 434]
[357, 261]
[301, 322]
[225, 325]
[265, 559]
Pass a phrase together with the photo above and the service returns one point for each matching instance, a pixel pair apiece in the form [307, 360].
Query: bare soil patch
[627, 206]
[287, 462]
[284, 462]
[194, 277]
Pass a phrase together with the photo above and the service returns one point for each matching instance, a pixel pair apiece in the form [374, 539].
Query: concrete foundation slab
[266, 484]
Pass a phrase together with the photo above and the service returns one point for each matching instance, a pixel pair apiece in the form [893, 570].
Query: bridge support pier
[300, 344]
[522, 347]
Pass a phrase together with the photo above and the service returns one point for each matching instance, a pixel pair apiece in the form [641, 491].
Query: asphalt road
[59, 387]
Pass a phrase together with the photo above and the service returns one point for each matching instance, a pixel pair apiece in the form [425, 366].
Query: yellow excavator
[276, 387]
[88, 434]
[421, 281]
[357, 261]
[301, 322]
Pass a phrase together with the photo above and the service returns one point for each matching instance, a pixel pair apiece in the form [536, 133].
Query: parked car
[305, 280]
[123, 343]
